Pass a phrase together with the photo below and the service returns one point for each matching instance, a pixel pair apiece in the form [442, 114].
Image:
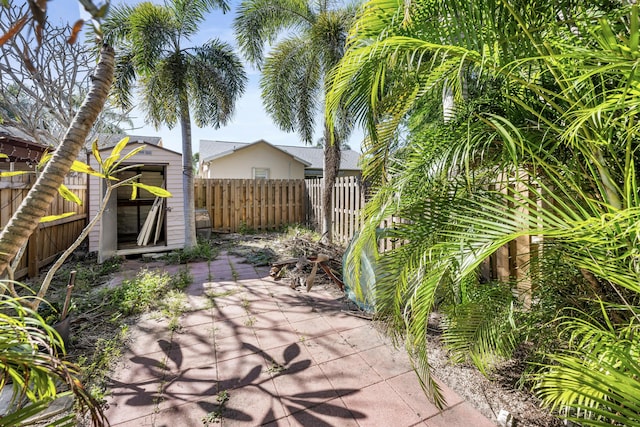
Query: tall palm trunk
[330, 173]
[187, 172]
[35, 205]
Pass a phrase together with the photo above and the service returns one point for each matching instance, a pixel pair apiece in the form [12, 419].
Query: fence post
[32, 254]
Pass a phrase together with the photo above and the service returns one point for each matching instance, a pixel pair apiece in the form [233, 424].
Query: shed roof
[312, 157]
[110, 140]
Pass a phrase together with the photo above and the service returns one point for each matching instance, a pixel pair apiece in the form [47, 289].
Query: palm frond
[215, 79]
[594, 382]
[259, 22]
[291, 85]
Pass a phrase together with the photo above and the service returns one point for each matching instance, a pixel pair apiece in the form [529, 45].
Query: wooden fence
[250, 204]
[348, 201]
[509, 263]
[50, 238]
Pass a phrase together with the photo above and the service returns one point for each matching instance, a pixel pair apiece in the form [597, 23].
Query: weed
[245, 304]
[182, 280]
[137, 295]
[261, 257]
[234, 273]
[216, 416]
[211, 294]
[297, 230]
[174, 324]
[98, 365]
[172, 306]
[276, 368]
[250, 321]
[243, 228]
[222, 397]
[203, 251]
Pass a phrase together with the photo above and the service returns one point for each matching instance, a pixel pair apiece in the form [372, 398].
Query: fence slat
[52, 238]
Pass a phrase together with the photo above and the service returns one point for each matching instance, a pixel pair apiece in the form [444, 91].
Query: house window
[260, 173]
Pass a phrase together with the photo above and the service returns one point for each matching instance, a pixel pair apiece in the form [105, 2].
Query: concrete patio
[255, 352]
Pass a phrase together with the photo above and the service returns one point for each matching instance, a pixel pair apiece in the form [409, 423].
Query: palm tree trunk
[23, 223]
[331, 166]
[187, 175]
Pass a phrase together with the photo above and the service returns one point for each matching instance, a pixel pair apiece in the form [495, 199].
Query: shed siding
[241, 164]
[151, 155]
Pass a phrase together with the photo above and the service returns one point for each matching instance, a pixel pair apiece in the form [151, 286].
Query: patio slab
[253, 352]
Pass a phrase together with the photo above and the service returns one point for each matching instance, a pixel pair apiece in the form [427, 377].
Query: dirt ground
[488, 396]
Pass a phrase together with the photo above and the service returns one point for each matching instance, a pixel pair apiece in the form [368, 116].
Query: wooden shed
[145, 224]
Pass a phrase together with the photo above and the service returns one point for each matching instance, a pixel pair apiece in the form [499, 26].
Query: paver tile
[262, 305]
[133, 368]
[409, 390]
[228, 310]
[462, 414]
[190, 384]
[311, 328]
[296, 314]
[193, 356]
[327, 414]
[195, 318]
[304, 388]
[268, 320]
[252, 405]
[193, 335]
[241, 371]
[284, 357]
[127, 401]
[231, 328]
[277, 337]
[235, 346]
[387, 361]
[349, 373]
[362, 338]
[328, 347]
[382, 407]
[342, 322]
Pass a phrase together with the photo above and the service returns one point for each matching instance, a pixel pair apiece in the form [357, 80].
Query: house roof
[19, 147]
[311, 157]
[217, 149]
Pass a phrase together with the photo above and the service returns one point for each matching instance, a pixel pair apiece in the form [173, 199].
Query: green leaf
[81, 167]
[115, 153]
[14, 173]
[129, 155]
[50, 218]
[69, 195]
[96, 152]
[156, 191]
[44, 159]
[134, 192]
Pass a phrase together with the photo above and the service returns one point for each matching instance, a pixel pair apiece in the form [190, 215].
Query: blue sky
[250, 122]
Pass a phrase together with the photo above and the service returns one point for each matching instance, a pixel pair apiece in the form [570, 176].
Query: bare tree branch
[43, 84]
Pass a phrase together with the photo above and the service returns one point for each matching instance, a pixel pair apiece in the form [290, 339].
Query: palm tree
[25, 220]
[294, 71]
[175, 79]
[563, 109]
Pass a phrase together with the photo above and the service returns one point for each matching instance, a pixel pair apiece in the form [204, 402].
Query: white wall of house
[253, 161]
[175, 224]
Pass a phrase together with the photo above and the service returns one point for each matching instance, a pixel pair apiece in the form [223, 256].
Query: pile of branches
[313, 264]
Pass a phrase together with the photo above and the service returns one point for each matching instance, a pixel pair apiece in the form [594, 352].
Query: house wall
[239, 165]
[151, 155]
